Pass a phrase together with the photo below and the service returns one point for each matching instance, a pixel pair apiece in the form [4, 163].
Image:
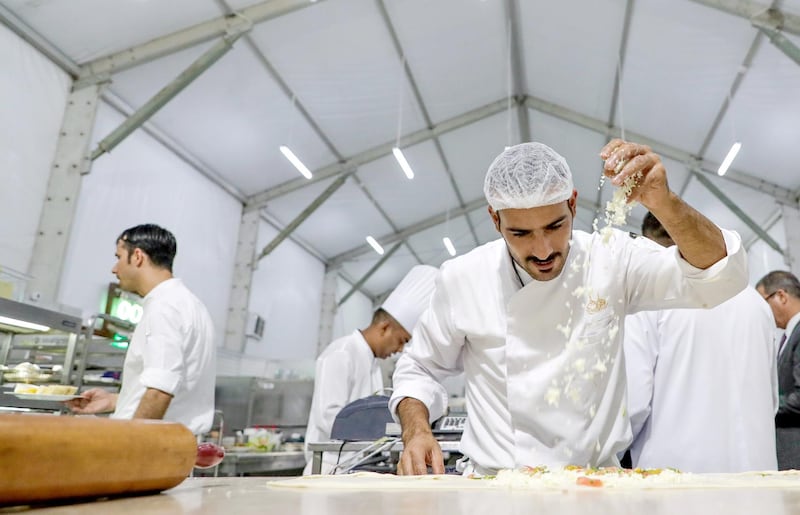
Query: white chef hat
[527, 175]
[412, 296]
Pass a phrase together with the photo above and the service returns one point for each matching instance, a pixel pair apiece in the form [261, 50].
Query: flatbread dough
[543, 479]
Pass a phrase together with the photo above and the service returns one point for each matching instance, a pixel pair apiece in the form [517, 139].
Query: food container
[262, 439]
[26, 373]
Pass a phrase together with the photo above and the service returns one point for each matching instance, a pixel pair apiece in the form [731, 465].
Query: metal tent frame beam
[748, 61]
[783, 195]
[730, 204]
[770, 22]
[369, 273]
[189, 37]
[301, 109]
[167, 93]
[615, 92]
[261, 199]
[304, 214]
[49, 50]
[433, 221]
[791, 227]
[60, 202]
[114, 101]
[517, 68]
[754, 10]
[408, 231]
[770, 222]
[782, 42]
[122, 107]
[425, 115]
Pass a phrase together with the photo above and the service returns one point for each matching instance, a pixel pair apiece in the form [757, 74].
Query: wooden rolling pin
[46, 457]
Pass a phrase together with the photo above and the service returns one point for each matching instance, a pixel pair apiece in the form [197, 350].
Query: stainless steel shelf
[66, 344]
[55, 320]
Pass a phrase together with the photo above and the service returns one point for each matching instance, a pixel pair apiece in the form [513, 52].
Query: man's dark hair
[780, 280]
[652, 228]
[158, 243]
[381, 315]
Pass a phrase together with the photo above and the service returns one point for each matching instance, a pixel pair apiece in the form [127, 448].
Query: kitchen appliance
[362, 419]
[279, 404]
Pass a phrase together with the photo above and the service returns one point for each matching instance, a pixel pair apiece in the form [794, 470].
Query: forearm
[420, 448]
[699, 241]
[413, 418]
[112, 399]
[94, 401]
[153, 405]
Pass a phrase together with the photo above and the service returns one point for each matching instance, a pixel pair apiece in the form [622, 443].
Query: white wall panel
[287, 292]
[142, 182]
[355, 313]
[33, 93]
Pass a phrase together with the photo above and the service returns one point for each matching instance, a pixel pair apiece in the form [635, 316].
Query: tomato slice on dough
[587, 481]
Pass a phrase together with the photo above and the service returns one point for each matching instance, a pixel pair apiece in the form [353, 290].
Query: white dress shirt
[544, 375]
[347, 370]
[172, 350]
[702, 387]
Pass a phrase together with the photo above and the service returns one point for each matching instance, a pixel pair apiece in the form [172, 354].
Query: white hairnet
[527, 175]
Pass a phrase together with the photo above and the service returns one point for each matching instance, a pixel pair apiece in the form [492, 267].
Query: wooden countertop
[251, 495]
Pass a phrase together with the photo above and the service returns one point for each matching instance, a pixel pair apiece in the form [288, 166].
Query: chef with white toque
[348, 368]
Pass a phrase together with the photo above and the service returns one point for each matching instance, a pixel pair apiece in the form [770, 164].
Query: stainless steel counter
[243, 496]
[273, 463]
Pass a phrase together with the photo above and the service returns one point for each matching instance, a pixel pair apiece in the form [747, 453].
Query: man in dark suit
[781, 290]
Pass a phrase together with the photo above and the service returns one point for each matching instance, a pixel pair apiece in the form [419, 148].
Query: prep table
[252, 495]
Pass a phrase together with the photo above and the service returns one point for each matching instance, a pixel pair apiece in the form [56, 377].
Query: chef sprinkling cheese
[518, 314]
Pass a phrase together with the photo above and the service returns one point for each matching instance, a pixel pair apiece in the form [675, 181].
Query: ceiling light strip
[375, 245]
[398, 154]
[287, 152]
[448, 244]
[723, 168]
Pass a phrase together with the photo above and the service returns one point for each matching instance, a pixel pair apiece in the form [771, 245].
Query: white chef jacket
[703, 387]
[544, 377]
[347, 370]
[172, 350]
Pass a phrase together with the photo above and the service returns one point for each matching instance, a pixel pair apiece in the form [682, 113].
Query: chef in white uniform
[535, 319]
[170, 367]
[348, 368]
[702, 383]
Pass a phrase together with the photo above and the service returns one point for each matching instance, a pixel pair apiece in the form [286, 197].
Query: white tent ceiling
[453, 81]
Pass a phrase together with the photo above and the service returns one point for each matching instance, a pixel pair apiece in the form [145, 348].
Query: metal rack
[107, 357]
[56, 342]
[56, 331]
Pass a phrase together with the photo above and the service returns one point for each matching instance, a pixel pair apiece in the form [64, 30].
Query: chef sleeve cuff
[164, 380]
[733, 246]
[435, 401]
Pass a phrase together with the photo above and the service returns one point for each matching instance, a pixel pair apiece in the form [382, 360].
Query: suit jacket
[789, 382]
